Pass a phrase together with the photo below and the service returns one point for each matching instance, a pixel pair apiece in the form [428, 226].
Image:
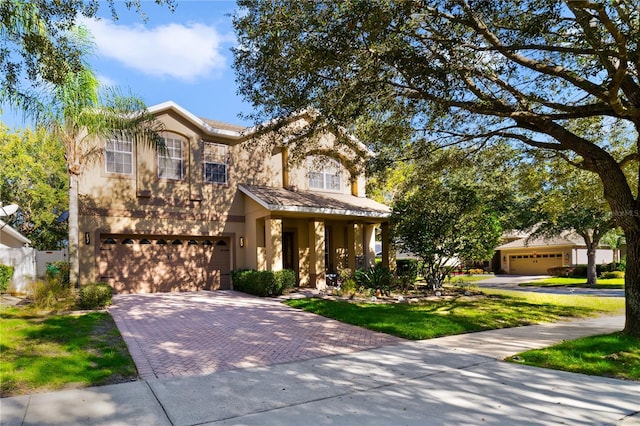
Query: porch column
[386, 253]
[250, 244]
[316, 254]
[369, 245]
[273, 236]
[355, 244]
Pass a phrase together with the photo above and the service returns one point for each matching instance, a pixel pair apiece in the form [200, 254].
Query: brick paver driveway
[182, 334]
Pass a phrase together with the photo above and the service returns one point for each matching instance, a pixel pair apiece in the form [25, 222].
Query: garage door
[533, 264]
[150, 264]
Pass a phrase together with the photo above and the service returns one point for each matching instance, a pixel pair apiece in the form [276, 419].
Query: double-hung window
[215, 164]
[325, 174]
[119, 156]
[171, 160]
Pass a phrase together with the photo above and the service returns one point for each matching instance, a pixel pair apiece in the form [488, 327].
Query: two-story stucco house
[217, 200]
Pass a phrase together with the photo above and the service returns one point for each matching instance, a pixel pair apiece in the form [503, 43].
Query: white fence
[23, 260]
[28, 263]
[45, 257]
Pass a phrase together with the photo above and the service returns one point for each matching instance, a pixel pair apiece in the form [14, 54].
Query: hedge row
[580, 271]
[263, 283]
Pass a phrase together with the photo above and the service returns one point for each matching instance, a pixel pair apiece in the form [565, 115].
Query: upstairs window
[215, 164]
[325, 174]
[119, 156]
[171, 160]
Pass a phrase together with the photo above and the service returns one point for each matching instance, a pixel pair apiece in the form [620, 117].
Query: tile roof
[542, 242]
[284, 200]
[223, 126]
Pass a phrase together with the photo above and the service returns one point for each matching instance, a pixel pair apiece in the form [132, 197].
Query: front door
[288, 250]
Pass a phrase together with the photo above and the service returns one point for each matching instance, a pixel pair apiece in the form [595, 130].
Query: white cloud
[184, 52]
[105, 81]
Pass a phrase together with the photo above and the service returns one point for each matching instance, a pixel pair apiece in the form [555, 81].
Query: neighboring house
[220, 198]
[10, 238]
[537, 255]
[15, 251]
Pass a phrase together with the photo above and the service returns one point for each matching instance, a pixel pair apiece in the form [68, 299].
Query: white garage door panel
[150, 264]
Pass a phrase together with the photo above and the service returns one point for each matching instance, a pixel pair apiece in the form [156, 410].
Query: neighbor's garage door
[150, 264]
[530, 264]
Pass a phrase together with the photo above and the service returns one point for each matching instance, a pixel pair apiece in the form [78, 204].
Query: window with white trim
[119, 156]
[171, 160]
[215, 163]
[325, 174]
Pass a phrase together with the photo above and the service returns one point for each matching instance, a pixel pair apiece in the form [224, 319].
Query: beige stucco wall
[143, 204]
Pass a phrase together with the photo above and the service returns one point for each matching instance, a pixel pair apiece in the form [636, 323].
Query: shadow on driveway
[183, 334]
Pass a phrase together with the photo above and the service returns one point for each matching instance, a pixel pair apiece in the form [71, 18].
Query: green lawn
[498, 309]
[610, 355]
[612, 283]
[40, 352]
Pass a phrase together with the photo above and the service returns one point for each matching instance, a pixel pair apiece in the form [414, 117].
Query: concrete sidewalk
[452, 380]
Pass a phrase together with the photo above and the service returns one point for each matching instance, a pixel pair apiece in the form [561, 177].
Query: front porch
[312, 234]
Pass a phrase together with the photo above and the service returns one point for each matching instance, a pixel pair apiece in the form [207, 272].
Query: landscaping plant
[6, 272]
[95, 296]
[263, 283]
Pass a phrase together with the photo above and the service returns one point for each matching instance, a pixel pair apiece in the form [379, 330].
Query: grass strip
[610, 283]
[41, 352]
[609, 355]
[462, 314]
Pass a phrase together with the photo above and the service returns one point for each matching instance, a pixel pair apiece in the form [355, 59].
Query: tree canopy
[444, 222]
[409, 76]
[34, 176]
[35, 43]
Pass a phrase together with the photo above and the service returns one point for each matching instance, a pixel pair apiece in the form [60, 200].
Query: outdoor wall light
[87, 238]
[241, 241]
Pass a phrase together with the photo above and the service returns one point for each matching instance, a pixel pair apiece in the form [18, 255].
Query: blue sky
[182, 56]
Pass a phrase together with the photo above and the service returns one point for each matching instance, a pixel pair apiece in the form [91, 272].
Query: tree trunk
[74, 261]
[592, 273]
[632, 284]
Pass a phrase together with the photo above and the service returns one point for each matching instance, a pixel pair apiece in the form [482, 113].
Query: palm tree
[81, 115]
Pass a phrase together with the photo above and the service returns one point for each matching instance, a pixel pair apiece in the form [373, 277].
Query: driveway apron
[186, 334]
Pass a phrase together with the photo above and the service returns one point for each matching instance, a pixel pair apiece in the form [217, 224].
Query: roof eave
[201, 124]
[312, 210]
[13, 233]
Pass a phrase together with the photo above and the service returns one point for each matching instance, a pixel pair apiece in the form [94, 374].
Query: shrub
[407, 268]
[612, 274]
[6, 272]
[50, 294]
[579, 271]
[263, 283]
[560, 271]
[622, 266]
[94, 296]
[377, 277]
[347, 288]
[58, 270]
[285, 280]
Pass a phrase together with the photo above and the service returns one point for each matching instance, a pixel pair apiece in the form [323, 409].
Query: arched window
[171, 160]
[325, 174]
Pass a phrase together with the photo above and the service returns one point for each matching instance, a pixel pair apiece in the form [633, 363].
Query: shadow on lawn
[440, 318]
[43, 353]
